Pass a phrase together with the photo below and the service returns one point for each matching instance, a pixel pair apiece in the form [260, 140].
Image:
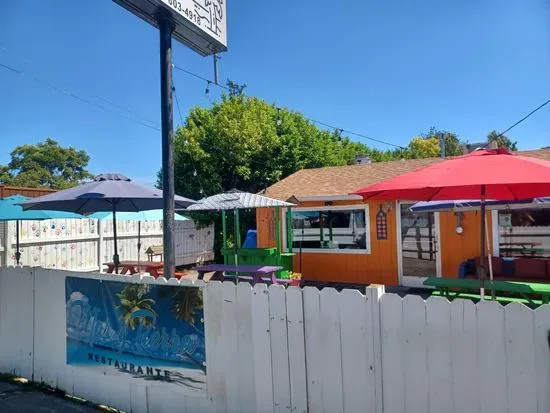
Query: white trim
[329, 251]
[399, 244]
[438, 264]
[364, 207]
[496, 233]
[416, 281]
[326, 198]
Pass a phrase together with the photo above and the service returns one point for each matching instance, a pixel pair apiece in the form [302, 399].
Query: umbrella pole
[17, 253]
[236, 240]
[115, 255]
[482, 255]
[139, 241]
[489, 258]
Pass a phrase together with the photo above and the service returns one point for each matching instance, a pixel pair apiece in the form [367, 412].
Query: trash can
[508, 266]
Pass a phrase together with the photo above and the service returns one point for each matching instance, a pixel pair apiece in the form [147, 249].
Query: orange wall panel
[457, 248]
[380, 266]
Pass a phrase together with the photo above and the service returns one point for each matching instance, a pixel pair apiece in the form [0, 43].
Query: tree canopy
[46, 164]
[245, 143]
[428, 144]
[502, 141]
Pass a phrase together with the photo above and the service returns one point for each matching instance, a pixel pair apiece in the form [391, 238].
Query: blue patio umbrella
[107, 193]
[153, 215]
[11, 210]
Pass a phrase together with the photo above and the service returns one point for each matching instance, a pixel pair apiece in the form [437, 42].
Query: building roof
[342, 180]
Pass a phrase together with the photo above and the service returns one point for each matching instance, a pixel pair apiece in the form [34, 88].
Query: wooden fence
[304, 350]
[85, 244]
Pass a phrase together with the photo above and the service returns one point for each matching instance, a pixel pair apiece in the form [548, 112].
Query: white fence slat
[296, 346]
[520, 358]
[357, 367]
[391, 324]
[315, 358]
[415, 363]
[245, 371]
[373, 295]
[230, 344]
[261, 349]
[438, 326]
[279, 348]
[491, 360]
[215, 367]
[16, 321]
[330, 346]
[464, 356]
[50, 329]
[542, 356]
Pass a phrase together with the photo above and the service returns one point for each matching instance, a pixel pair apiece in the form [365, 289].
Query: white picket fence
[85, 244]
[304, 350]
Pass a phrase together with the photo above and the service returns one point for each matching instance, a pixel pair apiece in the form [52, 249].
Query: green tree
[427, 145]
[245, 143]
[46, 164]
[502, 141]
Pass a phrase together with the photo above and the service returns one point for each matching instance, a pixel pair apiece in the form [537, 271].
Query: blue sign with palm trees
[147, 331]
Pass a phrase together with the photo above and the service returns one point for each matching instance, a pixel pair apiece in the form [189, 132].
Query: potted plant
[295, 279]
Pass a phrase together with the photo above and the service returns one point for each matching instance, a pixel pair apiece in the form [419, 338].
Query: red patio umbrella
[492, 173]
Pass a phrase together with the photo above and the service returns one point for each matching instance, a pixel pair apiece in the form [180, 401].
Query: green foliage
[502, 141]
[46, 164]
[428, 145]
[248, 144]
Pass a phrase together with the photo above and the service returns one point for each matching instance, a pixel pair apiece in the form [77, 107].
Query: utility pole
[442, 143]
[166, 29]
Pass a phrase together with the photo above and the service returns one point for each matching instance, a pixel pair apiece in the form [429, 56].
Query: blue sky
[388, 69]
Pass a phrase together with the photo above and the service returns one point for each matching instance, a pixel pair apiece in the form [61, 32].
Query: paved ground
[22, 399]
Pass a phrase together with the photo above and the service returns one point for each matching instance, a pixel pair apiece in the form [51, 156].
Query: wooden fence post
[373, 294]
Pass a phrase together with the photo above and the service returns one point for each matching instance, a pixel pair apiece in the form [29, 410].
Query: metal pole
[166, 30]
[17, 253]
[215, 68]
[224, 235]
[116, 260]
[139, 241]
[481, 271]
[442, 144]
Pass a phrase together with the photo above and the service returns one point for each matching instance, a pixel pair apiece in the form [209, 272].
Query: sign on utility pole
[200, 25]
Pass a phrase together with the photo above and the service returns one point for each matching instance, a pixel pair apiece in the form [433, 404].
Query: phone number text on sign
[177, 5]
[209, 15]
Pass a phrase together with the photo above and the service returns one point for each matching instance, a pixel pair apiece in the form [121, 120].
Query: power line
[82, 99]
[195, 173]
[341, 130]
[524, 118]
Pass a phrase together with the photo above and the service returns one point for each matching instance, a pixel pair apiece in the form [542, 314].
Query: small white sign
[505, 220]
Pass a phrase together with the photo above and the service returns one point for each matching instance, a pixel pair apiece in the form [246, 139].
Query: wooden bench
[533, 293]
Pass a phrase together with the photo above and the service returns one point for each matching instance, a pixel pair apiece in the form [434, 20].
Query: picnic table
[456, 287]
[524, 248]
[133, 266]
[259, 273]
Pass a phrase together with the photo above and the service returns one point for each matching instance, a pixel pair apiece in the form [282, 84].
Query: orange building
[340, 238]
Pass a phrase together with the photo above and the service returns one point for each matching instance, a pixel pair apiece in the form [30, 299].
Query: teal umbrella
[151, 215]
[10, 210]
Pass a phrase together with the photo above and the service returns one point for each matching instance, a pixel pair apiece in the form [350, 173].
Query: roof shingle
[342, 180]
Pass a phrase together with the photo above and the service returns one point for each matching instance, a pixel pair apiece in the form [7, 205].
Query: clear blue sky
[388, 69]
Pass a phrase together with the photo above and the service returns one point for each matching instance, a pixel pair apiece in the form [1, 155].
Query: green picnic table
[455, 287]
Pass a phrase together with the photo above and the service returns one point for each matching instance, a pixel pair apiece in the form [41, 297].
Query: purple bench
[259, 273]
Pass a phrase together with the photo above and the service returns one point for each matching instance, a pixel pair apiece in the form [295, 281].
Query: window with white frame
[337, 229]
